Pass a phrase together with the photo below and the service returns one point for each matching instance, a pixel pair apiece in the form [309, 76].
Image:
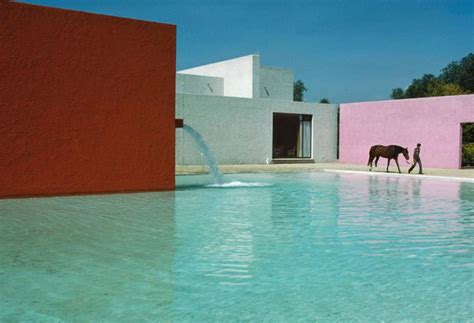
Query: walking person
[417, 160]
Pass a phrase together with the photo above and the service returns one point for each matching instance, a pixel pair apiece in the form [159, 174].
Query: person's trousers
[417, 161]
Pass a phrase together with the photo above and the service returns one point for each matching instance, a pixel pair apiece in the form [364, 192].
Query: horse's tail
[371, 154]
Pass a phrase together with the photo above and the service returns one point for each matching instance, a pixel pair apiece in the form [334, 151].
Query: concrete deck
[460, 174]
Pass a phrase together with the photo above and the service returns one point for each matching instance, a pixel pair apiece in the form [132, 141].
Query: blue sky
[344, 50]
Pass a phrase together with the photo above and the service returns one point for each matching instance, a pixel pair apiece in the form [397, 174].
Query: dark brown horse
[389, 152]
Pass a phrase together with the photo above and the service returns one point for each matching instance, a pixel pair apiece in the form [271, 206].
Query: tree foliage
[468, 133]
[324, 100]
[298, 91]
[460, 73]
[455, 79]
[397, 93]
[468, 144]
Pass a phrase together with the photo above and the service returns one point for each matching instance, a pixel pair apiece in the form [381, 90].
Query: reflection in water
[87, 258]
[466, 192]
[217, 232]
[312, 246]
[466, 197]
[305, 211]
[401, 212]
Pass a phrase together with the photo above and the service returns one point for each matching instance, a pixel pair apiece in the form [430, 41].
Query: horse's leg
[396, 161]
[376, 160]
[388, 164]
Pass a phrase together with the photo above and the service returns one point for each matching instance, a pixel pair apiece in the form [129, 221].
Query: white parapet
[241, 75]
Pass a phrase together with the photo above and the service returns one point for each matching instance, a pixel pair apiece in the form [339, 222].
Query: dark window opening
[292, 135]
[467, 132]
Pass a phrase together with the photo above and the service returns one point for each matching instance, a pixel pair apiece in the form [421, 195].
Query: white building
[246, 114]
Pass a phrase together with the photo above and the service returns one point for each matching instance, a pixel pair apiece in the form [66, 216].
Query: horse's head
[405, 153]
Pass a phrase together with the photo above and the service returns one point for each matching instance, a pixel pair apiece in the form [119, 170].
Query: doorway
[467, 145]
[292, 135]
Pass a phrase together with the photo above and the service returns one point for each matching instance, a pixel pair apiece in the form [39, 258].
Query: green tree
[324, 100]
[452, 73]
[468, 133]
[460, 73]
[450, 89]
[456, 78]
[468, 144]
[423, 87]
[298, 90]
[397, 94]
[430, 85]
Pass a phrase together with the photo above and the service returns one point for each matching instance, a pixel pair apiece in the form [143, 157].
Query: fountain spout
[205, 153]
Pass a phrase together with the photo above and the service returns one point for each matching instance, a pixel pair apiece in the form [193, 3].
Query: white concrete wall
[196, 84]
[276, 83]
[241, 75]
[239, 130]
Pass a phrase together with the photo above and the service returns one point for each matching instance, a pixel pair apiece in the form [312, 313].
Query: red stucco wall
[87, 103]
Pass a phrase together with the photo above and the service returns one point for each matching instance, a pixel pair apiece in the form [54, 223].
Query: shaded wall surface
[433, 122]
[87, 102]
[240, 130]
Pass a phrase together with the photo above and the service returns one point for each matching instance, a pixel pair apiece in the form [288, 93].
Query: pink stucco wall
[433, 122]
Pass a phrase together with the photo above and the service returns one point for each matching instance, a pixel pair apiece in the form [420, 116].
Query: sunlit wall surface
[433, 122]
[87, 102]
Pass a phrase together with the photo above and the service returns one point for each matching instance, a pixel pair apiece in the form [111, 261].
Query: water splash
[207, 154]
[238, 184]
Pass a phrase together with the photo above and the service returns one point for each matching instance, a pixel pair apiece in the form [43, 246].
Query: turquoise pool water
[307, 246]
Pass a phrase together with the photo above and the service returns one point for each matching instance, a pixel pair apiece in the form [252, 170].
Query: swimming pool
[300, 246]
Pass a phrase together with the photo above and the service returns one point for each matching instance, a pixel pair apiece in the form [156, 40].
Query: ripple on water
[312, 246]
